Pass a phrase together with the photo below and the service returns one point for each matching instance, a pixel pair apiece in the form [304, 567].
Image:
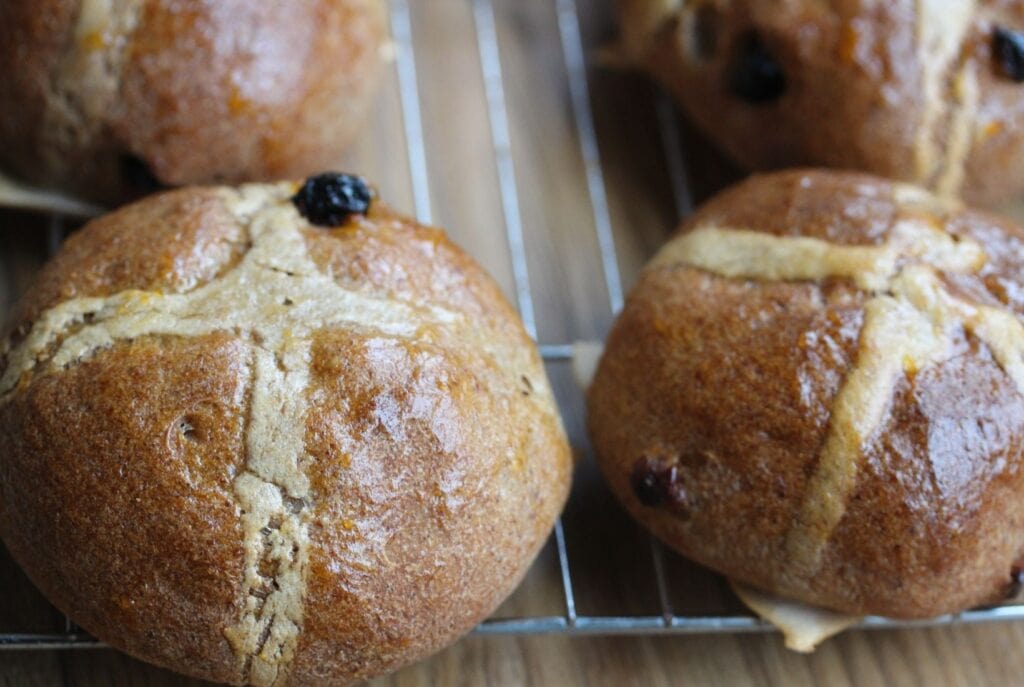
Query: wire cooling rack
[666, 620]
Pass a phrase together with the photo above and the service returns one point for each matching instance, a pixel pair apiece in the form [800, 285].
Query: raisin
[329, 199]
[646, 483]
[756, 76]
[1008, 48]
[657, 482]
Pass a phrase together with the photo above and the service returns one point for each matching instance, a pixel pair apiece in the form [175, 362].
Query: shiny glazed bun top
[817, 388]
[110, 98]
[274, 435]
[928, 91]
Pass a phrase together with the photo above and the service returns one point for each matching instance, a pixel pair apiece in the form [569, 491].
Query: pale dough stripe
[278, 298]
[274, 490]
[942, 27]
[908, 325]
[88, 79]
[745, 254]
[961, 131]
[999, 329]
[276, 291]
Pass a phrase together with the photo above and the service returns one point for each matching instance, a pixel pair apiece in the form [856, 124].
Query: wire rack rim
[594, 625]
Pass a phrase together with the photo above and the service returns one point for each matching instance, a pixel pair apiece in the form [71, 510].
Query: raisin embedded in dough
[756, 76]
[1008, 47]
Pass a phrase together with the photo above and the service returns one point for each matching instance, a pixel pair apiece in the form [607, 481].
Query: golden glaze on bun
[100, 97]
[907, 89]
[815, 388]
[257, 451]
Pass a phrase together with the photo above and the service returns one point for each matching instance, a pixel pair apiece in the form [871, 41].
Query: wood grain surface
[468, 183]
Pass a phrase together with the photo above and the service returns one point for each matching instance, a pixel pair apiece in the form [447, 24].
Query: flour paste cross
[276, 298]
[908, 324]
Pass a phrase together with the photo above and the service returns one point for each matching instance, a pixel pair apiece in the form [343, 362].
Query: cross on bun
[112, 98]
[259, 448]
[927, 91]
[817, 388]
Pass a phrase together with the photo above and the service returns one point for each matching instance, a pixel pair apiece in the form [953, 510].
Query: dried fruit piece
[1008, 48]
[329, 199]
[756, 76]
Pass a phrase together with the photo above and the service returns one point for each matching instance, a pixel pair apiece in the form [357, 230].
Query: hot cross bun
[112, 98]
[817, 388]
[926, 91]
[274, 435]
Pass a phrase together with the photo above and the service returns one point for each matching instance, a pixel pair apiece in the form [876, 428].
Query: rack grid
[667, 621]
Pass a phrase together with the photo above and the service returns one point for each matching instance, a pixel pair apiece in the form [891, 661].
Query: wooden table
[462, 175]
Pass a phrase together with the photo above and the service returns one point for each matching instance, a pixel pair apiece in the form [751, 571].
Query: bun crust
[816, 389]
[107, 98]
[903, 89]
[257, 451]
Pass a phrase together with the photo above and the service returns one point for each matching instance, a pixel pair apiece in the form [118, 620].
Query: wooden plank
[31, 669]
[462, 169]
[956, 657]
[570, 297]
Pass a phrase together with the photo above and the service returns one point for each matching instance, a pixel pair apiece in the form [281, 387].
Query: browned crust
[122, 520]
[33, 38]
[419, 538]
[436, 471]
[360, 256]
[177, 241]
[733, 382]
[274, 90]
[854, 97]
[199, 92]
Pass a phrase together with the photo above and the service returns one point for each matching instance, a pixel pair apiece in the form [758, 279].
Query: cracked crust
[816, 389]
[905, 89]
[199, 92]
[372, 419]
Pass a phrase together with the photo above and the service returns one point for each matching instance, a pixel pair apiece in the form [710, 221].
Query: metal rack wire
[667, 621]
